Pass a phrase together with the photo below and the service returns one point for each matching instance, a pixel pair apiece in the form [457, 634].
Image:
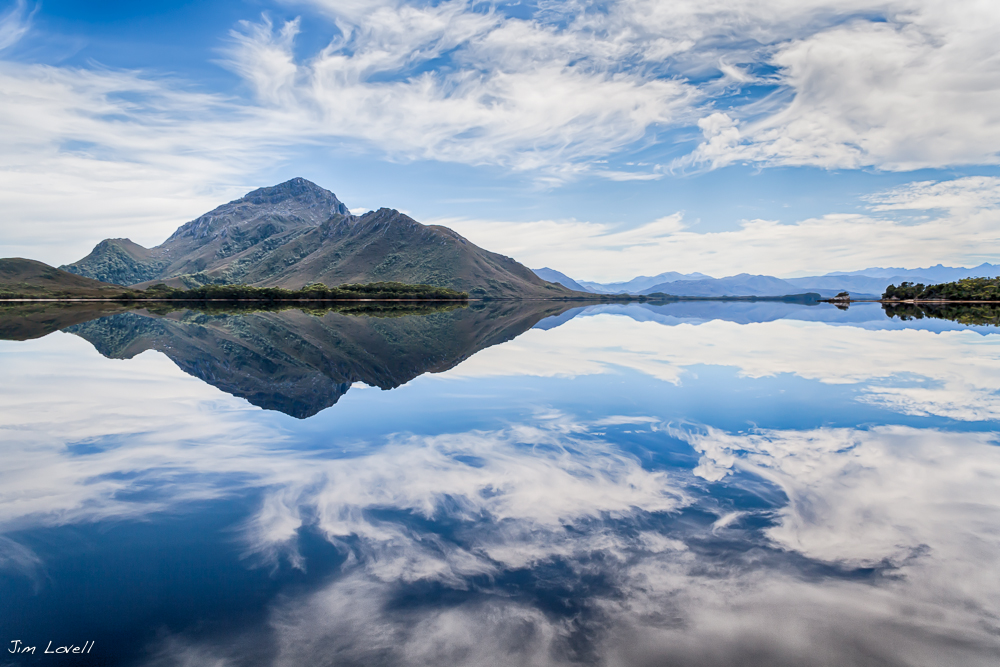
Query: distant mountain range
[643, 283]
[868, 283]
[297, 233]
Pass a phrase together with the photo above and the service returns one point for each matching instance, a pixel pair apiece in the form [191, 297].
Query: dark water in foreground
[691, 484]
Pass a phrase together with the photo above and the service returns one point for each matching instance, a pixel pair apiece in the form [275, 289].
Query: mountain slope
[297, 233]
[37, 279]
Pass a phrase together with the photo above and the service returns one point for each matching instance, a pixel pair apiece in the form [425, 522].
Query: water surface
[536, 484]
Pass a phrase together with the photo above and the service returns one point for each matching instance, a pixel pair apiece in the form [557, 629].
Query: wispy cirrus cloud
[550, 93]
[897, 85]
[518, 93]
[14, 24]
[960, 194]
[120, 152]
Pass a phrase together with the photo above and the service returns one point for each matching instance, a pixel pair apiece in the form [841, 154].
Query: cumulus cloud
[918, 89]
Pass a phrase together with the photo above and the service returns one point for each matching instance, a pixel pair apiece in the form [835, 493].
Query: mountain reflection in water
[300, 363]
[549, 484]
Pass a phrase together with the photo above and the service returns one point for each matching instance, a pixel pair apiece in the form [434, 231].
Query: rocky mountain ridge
[297, 233]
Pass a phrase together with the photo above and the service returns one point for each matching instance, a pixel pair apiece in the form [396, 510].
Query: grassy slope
[35, 279]
[387, 245]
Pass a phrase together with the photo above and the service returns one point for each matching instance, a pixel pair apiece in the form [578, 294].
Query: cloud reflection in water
[954, 374]
[550, 540]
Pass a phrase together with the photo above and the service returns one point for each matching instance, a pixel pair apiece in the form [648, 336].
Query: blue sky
[603, 138]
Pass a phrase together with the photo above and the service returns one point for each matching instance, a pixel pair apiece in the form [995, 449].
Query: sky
[605, 139]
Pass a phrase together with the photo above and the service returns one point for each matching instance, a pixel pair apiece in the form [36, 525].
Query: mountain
[742, 284]
[855, 284]
[553, 276]
[930, 275]
[36, 279]
[698, 284]
[637, 285]
[867, 283]
[299, 363]
[297, 233]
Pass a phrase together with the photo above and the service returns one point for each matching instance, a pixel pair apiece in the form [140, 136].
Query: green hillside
[968, 289]
[27, 278]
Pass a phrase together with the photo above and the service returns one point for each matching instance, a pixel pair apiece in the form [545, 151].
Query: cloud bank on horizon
[626, 99]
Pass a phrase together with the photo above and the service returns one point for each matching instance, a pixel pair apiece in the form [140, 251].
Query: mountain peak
[296, 188]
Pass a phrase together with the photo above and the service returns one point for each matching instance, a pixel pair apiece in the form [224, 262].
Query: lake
[694, 483]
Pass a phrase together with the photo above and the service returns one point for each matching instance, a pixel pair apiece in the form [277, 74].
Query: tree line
[386, 291]
[967, 289]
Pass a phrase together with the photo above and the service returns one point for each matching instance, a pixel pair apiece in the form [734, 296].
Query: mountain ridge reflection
[299, 362]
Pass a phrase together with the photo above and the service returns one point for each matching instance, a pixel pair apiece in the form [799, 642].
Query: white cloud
[967, 234]
[921, 89]
[969, 193]
[89, 154]
[520, 93]
[896, 84]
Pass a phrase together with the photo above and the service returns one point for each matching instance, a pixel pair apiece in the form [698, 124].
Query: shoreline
[596, 299]
[914, 301]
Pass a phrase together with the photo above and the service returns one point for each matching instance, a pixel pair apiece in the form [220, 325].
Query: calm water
[690, 484]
